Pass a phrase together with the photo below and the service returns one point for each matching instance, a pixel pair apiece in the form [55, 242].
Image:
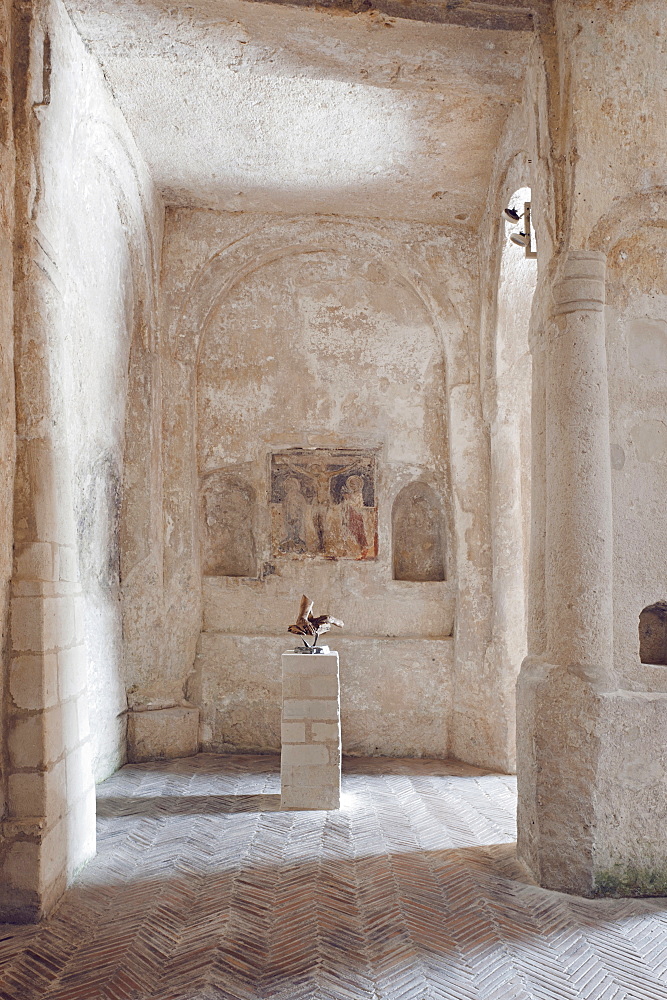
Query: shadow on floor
[185, 805]
[415, 890]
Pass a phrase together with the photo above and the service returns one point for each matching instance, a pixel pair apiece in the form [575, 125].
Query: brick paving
[204, 890]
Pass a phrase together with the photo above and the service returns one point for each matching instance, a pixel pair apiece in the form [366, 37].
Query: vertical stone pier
[591, 756]
[310, 764]
[561, 703]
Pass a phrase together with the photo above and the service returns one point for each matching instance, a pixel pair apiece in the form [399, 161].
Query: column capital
[581, 284]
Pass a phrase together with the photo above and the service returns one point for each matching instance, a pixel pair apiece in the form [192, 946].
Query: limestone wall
[7, 419]
[636, 318]
[613, 69]
[339, 337]
[96, 233]
[615, 202]
[88, 236]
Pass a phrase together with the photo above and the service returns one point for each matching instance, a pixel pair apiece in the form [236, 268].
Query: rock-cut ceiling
[265, 107]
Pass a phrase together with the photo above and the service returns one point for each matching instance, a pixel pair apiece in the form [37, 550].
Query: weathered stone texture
[587, 783]
[162, 733]
[84, 209]
[395, 693]
[7, 423]
[326, 369]
[355, 346]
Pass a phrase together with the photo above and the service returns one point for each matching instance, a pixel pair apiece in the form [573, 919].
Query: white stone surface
[364, 115]
[310, 768]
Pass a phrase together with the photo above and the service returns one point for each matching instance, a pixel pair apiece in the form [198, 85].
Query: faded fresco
[323, 504]
[228, 543]
[418, 534]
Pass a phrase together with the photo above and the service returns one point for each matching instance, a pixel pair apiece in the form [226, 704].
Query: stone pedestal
[594, 761]
[310, 762]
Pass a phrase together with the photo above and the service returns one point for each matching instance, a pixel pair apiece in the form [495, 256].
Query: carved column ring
[582, 285]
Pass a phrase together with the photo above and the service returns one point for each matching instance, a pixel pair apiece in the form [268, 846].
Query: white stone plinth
[310, 758]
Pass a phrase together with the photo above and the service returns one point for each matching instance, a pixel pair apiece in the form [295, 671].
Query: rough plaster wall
[507, 285]
[414, 107]
[636, 316]
[327, 349]
[322, 302]
[7, 422]
[614, 71]
[97, 223]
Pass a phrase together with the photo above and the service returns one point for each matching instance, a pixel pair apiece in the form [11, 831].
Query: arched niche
[340, 338]
[653, 634]
[418, 534]
[228, 505]
[303, 236]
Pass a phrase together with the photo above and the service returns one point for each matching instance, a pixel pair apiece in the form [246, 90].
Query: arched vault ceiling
[249, 106]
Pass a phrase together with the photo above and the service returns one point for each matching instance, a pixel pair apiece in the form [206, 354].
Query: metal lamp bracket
[530, 250]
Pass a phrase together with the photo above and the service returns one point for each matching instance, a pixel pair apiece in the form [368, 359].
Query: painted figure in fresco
[357, 531]
[322, 504]
[315, 530]
[294, 517]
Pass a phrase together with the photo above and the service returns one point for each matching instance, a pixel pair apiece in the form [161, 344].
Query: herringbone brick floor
[204, 890]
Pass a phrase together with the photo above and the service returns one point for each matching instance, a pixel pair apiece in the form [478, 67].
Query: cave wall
[338, 339]
[636, 321]
[7, 408]
[88, 232]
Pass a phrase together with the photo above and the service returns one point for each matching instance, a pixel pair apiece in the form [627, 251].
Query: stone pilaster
[49, 829]
[310, 762]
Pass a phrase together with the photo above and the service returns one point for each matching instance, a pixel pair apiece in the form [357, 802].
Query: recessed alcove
[272, 336]
[227, 532]
[653, 634]
[418, 535]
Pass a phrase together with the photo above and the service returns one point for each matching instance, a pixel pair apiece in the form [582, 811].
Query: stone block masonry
[160, 734]
[310, 759]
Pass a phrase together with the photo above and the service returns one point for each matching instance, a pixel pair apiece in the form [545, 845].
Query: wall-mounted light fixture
[512, 215]
[522, 239]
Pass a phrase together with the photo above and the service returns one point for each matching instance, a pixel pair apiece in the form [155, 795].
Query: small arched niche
[418, 534]
[653, 634]
[227, 535]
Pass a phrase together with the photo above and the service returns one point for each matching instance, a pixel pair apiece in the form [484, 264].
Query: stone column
[310, 764]
[579, 515]
[592, 757]
[559, 693]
